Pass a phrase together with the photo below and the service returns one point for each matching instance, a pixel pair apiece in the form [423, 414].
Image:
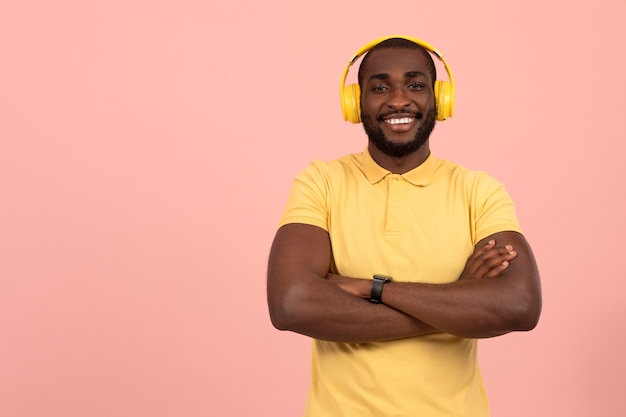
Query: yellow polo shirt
[420, 226]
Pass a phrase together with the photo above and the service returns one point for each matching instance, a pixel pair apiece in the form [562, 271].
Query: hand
[356, 286]
[488, 261]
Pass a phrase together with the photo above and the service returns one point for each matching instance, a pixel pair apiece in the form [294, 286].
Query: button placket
[393, 204]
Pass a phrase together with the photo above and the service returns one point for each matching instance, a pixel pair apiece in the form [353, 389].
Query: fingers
[496, 270]
[494, 261]
[488, 260]
[475, 261]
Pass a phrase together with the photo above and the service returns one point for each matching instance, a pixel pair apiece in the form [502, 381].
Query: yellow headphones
[351, 94]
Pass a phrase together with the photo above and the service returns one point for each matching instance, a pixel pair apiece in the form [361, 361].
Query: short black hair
[400, 43]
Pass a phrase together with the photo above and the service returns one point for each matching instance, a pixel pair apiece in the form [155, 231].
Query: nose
[398, 99]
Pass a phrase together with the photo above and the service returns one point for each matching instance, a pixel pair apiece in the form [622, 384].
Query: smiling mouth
[402, 121]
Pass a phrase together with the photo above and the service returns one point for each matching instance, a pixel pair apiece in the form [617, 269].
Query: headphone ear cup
[351, 105]
[443, 99]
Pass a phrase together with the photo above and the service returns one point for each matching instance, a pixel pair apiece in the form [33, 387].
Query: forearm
[303, 300]
[498, 292]
[478, 307]
[473, 309]
[323, 311]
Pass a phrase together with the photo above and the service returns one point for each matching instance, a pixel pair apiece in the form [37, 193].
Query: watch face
[383, 277]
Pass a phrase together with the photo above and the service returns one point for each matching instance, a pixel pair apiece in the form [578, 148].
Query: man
[449, 239]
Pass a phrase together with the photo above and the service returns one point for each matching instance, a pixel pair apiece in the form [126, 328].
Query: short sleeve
[307, 201]
[494, 210]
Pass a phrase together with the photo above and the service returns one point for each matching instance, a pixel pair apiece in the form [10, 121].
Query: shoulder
[491, 207]
[458, 172]
[476, 186]
[333, 169]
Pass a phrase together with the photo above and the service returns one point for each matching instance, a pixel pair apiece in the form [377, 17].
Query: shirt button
[395, 204]
[395, 180]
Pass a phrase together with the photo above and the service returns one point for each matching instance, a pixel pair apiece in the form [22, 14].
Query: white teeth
[399, 121]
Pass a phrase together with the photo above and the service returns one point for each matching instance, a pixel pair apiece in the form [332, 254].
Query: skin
[381, 100]
[405, 92]
[498, 291]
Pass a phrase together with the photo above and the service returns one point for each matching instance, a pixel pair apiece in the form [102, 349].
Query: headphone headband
[351, 94]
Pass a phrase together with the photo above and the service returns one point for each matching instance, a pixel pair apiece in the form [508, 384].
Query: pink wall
[147, 148]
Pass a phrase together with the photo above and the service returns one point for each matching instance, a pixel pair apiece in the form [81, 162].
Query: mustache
[418, 115]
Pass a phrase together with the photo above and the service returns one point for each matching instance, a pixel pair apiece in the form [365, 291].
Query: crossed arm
[498, 292]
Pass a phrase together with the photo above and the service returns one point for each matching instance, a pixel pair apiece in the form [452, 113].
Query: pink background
[147, 148]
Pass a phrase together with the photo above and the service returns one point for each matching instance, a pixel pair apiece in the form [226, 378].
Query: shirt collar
[420, 176]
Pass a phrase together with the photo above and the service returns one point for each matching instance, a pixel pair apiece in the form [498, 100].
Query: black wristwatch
[377, 288]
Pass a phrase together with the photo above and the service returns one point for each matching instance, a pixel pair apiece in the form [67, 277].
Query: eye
[416, 86]
[379, 88]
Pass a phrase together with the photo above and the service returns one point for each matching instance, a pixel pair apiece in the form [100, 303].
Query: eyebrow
[410, 74]
[414, 74]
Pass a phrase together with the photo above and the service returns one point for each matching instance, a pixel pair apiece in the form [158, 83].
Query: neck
[399, 164]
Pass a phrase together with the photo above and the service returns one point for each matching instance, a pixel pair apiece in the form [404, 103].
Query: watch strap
[377, 288]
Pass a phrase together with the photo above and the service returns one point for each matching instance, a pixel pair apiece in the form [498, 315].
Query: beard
[380, 141]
